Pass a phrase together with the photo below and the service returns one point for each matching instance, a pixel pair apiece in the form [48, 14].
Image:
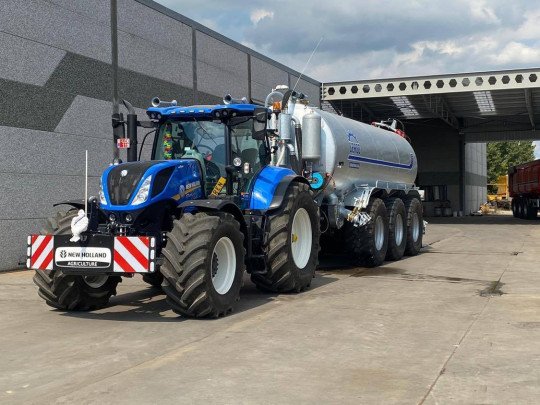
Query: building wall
[475, 176]
[55, 92]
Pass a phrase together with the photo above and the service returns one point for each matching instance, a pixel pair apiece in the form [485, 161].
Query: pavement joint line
[465, 334]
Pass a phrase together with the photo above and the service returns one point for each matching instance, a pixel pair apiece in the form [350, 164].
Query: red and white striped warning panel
[40, 252]
[121, 254]
[133, 254]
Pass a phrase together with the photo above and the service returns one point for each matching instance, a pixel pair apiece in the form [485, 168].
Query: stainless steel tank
[358, 154]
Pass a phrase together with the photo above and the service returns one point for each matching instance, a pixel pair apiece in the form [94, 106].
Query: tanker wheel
[69, 292]
[515, 207]
[154, 279]
[293, 243]
[397, 227]
[368, 244]
[413, 208]
[203, 264]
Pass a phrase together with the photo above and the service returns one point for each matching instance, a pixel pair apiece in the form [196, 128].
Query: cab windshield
[205, 141]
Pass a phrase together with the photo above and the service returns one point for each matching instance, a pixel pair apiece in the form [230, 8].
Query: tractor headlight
[102, 199]
[144, 191]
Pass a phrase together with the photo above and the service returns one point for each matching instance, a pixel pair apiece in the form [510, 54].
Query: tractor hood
[136, 185]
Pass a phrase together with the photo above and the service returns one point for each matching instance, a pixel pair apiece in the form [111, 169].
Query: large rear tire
[415, 225]
[69, 292]
[293, 243]
[203, 264]
[397, 227]
[368, 244]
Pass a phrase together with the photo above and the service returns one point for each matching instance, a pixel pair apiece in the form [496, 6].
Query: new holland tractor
[232, 188]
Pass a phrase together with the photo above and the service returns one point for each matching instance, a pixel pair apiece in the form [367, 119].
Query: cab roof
[200, 111]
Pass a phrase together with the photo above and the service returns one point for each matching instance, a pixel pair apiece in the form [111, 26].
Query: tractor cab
[228, 142]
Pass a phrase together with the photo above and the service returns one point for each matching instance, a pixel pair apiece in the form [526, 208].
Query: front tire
[293, 243]
[368, 244]
[203, 264]
[69, 292]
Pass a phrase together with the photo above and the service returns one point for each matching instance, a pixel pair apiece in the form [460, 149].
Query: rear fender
[270, 187]
[281, 190]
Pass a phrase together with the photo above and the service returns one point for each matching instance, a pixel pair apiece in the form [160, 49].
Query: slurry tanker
[231, 188]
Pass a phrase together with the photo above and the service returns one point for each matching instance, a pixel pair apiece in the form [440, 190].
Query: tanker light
[112, 217]
[276, 106]
[129, 218]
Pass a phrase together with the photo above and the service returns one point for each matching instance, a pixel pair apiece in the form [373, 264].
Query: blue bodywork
[265, 186]
[185, 183]
[158, 113]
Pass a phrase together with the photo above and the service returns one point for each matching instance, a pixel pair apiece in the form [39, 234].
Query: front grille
[122, 187]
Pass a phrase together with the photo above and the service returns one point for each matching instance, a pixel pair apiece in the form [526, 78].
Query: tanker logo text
[354, 145]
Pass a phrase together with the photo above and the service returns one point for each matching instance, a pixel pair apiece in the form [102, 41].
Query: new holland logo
[83, 257]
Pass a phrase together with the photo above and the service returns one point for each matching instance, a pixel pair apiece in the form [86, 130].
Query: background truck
[524, 189]
[498, 193]
[230, 188]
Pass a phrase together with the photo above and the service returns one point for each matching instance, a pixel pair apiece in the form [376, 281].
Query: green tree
[502, 155]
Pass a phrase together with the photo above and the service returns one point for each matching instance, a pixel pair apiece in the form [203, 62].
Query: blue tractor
[213, 202]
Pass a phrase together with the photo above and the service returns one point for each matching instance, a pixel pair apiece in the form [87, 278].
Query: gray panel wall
[55, 91]
[475, 176]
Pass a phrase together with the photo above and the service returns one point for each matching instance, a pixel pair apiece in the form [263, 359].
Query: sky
[368, 39]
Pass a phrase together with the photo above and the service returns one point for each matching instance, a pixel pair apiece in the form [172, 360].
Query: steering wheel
[204, 149]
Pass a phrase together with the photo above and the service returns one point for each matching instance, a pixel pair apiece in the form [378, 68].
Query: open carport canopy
[486, 106]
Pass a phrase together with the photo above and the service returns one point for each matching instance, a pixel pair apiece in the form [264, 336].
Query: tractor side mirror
[259, 124]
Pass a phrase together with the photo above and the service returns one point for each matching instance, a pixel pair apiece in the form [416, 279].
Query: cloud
[373, 39]
[258, 14]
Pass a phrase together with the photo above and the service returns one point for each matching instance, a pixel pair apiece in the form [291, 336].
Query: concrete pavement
[429, 329]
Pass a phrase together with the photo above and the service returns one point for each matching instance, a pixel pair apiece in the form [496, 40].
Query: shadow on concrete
[149, 303]
[483, 220]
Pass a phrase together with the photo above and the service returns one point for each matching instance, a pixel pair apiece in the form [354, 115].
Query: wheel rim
[398, 233]
[415, 227]
[223, 265]
[379, 233]
[95, 281]
[301, 238]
